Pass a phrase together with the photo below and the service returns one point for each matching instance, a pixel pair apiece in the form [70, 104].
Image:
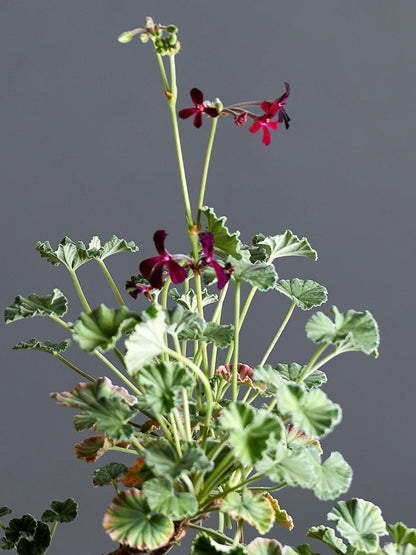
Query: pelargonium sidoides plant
[205, 431]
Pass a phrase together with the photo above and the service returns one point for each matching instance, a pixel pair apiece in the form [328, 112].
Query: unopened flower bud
[125, 37]
[148, 22]
[159, 32]
[240, 119]
[172, 29]
[144, 37]
[173, 39]
[218, 105]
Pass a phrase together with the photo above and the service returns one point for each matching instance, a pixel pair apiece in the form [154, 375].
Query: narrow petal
[187, 112]
[255, 126]
[207, 242]
[176, 272]
[159, 240]
[222, 277]
[155, 278]
[146, 266]
[198, 119]
[273, 124]
[274, 108]
[266, 135]
[197, 96]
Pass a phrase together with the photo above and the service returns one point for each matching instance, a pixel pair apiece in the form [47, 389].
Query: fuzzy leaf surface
[296, 468]
[311, 411]
[293, 371]
[225, 242]
[360, 522]
[264, 546]
[306, 294]
[130, 520]
[350, 331]
[23, 526]
[36, 305]
[164, 462]
[113, 246]
[44, 346]
[108, 473]
[38, 544]
[402, 534]
[181, 321]
[260, 275]
[255, 509]
[204, 544]
[333, 477]
[219, 335]
[61, 511]
[162, 499]
[328, 537]
[189, 300]
[70, 254]
[286, 244]
[102, 328]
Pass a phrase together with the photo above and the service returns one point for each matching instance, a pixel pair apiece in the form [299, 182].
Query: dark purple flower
[281, 113]
[270, 109]
[207, 243]
[152, 268]
[134, 287]
[200, 107]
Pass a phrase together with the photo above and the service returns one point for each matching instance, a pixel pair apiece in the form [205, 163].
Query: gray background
[87, 149]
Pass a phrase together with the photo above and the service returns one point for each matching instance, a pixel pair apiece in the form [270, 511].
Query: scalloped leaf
[39, 544]
[350, 331]
[70, 254]
[280, 515]
[306, 294]
[402, 534]
[360, 522]
[225, 242]
[206, 545]
[264, 546]
[328, 537]
[102, 328]
[109, 473]
[269, 378]
[311, 411]
[293, 371]
[163, 380]
[44, 346]
[164, 462]
[113, 246]
[130, 520]
[255, 509]
[146, 341]
[5, 511]
[296, 438]
[302, 549]
[105, 406]
[251, 430]
[333, 477]
[220, 335]
[189, 300]
[161, 498]
[61, 511]
[296, 468]
[184, 322]
[54, 304]
[393, 549]
[23, 526]
[6, 544]
[260, 275]
[286, 244]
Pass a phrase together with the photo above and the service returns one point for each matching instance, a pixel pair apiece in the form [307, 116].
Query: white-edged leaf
[328, 537]
[70, 254]
[44, 346]
[113, 246]
[333, 477]
[189, 300]
[54, 304]
[306, 294]
[255, 509]
[286, 244]
[264, 546]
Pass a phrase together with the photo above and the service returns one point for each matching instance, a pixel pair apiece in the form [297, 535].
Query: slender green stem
[172, 108]
[79, 291]
[121, 449]
[247, 305]
[247, 394]
[117, 372]
[320, 364]
[205, 171]
[238, 532]
[217, 475]
[111, 282]
[314, 357]
[221, 522]
[53, 528]
[216, 318]
[236, 340]
[279, 333]
[186, 415]
[60, 322]
[137, 445]
[175, 434]
[179, 424]
[270, 488]
[210, 532]
[163, 72]
[254, 396]
[73, 367]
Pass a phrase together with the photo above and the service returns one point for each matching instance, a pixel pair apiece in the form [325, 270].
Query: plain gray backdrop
[87, 148]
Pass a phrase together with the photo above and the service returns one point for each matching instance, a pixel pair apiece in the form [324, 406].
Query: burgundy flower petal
[222, 277]
[198, 119]
[197, 96]
[265, 106]
[155, 278]
[207, 242]
[266, 135]
[187, 112]
[273, 109]
[255, 126]
[213, 112]
[159, 240]
[146, 266]
[176, 272]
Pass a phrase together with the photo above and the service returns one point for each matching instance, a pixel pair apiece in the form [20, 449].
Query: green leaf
[54, 304]
[220, 335]
[70, 254]
[6, 544]
[280, 515]
[393, 549]
[264, 546]
[184, 322]
[5, 511]
[350, 331]
[189, 300]
[311, 411]
[109, 473]
[402, 534]
[302, 549]
[250, 430]
[204, 544]
[328, 537]
[162, 499]
[105, 407]
[286, 244]
[260, 275]
[163, 380]
[24, 526]
[333, 477]
[293, 371]
[102, 328]
[61, 511]
[130, 520]
[225, 242]
[113, 246]
[146, 341]
[360, 522]
[296, 468]
[255, 509]
[44, 346]
[164, 462]
[39, 544]
[270, 379]
[305, 294]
